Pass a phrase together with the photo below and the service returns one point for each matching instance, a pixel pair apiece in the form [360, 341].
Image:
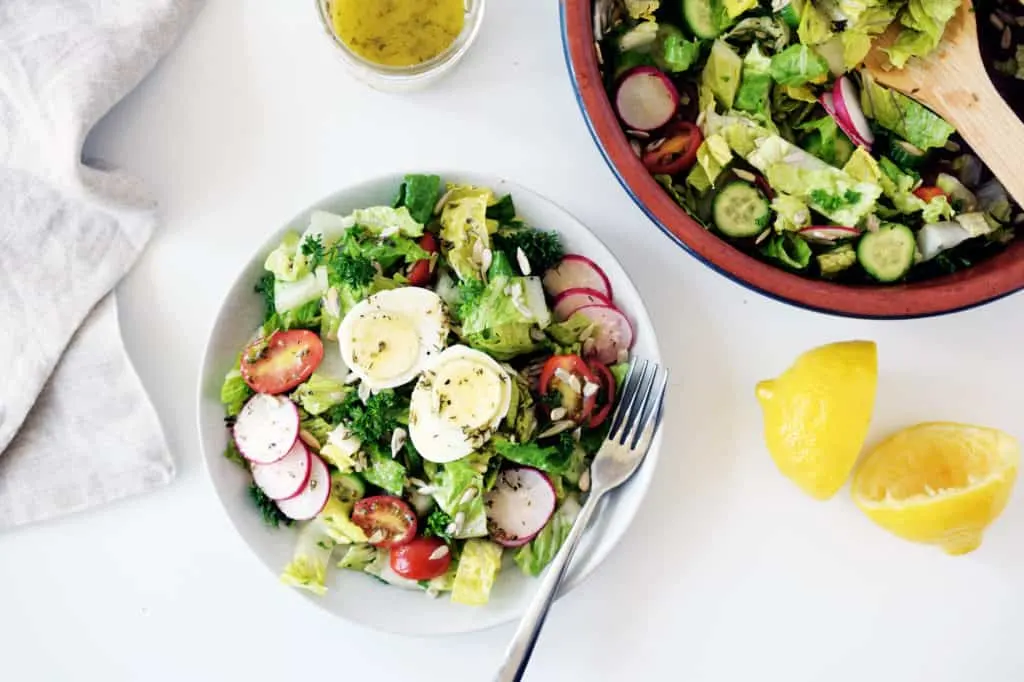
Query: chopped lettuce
[672, 51]
[319, 393]
[791, 214]
[337, 520]
[418, 193]
[713, 156]
[308, 567]
[292, 294]
[465, 235]
[287, 261]
[797, 65]
[521, 418]
[452, 482]
[754, 93]
[358, 557]
[722, 73]
[553, 459]
[734, 8]
[234, 392]
[326, 227]
[384, 472]
[534, 556]
[642, 9]
[863, 167]
[826, 141]
[900, 114]
[566, 335]
[386, 221]
[342, 448]
[788, 249]
[639, 39]
[505, 318]
[924, 23]
[833, 262]
[479, 564]
[815, 26]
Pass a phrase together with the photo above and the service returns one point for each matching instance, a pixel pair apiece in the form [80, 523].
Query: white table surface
[729, 573]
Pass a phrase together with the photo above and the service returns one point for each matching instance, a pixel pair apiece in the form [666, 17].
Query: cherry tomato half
[928, 192]
[282, 362]
[562, 380]
[420, 273]
[416, 559]
[677, 153]
[605, 395]
[387, 520]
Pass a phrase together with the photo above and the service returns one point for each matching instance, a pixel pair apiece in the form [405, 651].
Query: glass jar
[405, 78]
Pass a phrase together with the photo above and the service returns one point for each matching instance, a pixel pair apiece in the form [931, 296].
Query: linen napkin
[76, 427]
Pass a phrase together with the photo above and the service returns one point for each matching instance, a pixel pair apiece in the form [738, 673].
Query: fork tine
[641, 409]
[637, 401]
[648, 420]
[629, 385]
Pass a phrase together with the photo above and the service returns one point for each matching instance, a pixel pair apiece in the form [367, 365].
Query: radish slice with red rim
[612, 335]
[312, 499]
[519, 505]
[848, 113]
[287, 476]
[646, 98]
[827, 234]
[576, 272]
[571, 300]
[266, 428]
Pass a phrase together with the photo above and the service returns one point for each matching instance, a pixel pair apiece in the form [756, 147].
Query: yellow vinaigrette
[397, 32]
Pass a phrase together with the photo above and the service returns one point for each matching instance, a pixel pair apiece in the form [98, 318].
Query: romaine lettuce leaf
[287, 261]
[826, 141]
[673, 51]
[308, 568]
[722, 73]
[503, 320]
[384, 472]
[319, 393]
[713, 156]
[234, 392]
[642, 9]
[534, 556]
[815, 26]
[464, 232]
[734, 8]
[754, 93]
[797, 65]
[788, 249]
[384, 220]
[478, 568]
[925, 22]
[419, 193]
[898, 113]
[452, 482]
[791, 214]
[336, 517]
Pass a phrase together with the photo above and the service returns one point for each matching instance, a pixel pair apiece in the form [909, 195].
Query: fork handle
[519, 650]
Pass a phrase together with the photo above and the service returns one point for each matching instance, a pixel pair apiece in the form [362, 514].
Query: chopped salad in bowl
[757, 119]
[425, 390]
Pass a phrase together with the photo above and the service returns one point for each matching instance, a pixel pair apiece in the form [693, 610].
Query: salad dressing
[397, 32]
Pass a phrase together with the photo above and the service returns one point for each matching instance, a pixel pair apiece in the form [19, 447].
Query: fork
[633, 425]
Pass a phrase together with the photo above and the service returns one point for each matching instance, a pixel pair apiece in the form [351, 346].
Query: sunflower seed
[331, 302]
[556, 428]
[364, 392]
[764, 235]
[622, 356]
[744, 175]
[309, 440]
[1007, 39]
[418, 482]
[468, 496]
[952, 147]
[558, 413]
[390, 231]
[635, 146]
[524, 262]
[590, 389]
[569, 378]
[485, 259]
[585, 481]
[996, 21]
[654, 146]
[521, 307]
[598, 53]
[478, 251]
[433, 261]
[442, 201]
[450, 529]
[459, 519]
[377, 536]
[588, 346]
[439, 553]
[639, 134]
[577, 433]
[536, 334]
[427, 490]
[398, 437]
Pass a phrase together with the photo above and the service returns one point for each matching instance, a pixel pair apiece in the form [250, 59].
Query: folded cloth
[76, 427]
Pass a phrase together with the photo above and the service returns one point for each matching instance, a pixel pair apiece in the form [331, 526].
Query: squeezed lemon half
[939, 483]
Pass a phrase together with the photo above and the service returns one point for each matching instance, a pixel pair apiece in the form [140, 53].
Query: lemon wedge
[939, 483]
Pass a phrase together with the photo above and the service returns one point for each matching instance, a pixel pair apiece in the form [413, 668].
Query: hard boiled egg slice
[458, 404]
[392, 336]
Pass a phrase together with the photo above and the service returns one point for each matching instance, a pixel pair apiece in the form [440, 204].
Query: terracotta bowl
[987, 281]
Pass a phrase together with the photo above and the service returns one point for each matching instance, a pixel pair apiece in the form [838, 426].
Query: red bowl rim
[993, 278]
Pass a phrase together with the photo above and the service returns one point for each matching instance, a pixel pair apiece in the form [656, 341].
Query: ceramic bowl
[358, 597]
[989, 280]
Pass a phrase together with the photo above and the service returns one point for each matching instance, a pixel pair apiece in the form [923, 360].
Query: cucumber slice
[888, 253]
[740, 210]
[347, 487]
[703, 17]
[906, 155]
[789, 11]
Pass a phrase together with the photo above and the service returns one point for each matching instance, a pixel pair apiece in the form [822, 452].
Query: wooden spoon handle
[989, 125]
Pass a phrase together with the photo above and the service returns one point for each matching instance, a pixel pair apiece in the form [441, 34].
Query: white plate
[354, 596]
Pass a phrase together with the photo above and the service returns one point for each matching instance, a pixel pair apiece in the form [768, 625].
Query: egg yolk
[467, 393]
[384, 344]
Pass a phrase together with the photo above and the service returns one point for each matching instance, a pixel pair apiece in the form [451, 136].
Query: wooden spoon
[953, 82]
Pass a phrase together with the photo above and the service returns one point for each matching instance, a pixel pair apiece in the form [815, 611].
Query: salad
[758, 121]
[426, 390]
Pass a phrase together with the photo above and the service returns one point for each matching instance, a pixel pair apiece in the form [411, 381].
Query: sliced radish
[519, 505]
[827, 234]
[848, 113]
[576, 272]
[646, 98]
[828, 104]
[613, 333]
[286, 477]
[266, 428]
[571, 300]
[313, 497]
